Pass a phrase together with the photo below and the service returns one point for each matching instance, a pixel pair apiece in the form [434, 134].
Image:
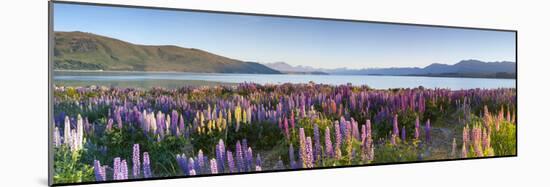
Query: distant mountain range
[87, 51]
[287, 68]
[464, 68]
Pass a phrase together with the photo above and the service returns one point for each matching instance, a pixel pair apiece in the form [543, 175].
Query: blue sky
[317, 43]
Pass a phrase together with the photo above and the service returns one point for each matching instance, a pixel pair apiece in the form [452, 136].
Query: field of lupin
[104, 134]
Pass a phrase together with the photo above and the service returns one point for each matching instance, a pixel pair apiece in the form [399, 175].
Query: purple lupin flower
[146, 166]
[239, 155]
[291, 157]
[417, 128]
[231, 162]
[220, 151]
[213, 166]
[249, 158]
[98, 171]
[317, 148]
[200, 161]
[328, 144]
[245, 155]
[182, 162]
[136, 168]
[116, 168]
[427, 130]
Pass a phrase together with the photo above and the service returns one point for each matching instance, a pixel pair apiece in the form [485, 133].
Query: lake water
[374, 81]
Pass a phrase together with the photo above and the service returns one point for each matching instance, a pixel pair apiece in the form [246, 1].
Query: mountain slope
[86, 51]
[464, 68]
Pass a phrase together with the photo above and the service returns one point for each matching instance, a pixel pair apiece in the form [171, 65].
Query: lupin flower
[417, 128]
[308, 159]
[116, 168]
[136, 168]
[146, 166]
[213, 166]
[67, 131]
[182, 162]
[79, 133]
[395, 125]
[109, 124]
[249, 158]
[220, 151]
[464, 151]
[190, 165]
[240, 158]
[123, 170]
[338, 137]
[98, 171]
[56, 137]
[303, 152]
[317, 148]
[200, 161]
[328, 143]
[291, 157]
[231, 162]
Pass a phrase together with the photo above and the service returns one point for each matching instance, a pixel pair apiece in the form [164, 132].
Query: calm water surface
[374, 81]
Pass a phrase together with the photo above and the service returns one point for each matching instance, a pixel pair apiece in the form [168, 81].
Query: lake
[176, 79]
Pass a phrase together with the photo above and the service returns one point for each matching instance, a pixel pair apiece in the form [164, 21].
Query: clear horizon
[295, 41]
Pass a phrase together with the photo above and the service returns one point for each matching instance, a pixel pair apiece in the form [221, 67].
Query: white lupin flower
[56, 137]
[67, 131]
[80, 132]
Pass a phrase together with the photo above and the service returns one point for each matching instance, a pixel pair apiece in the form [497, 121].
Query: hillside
[86, 51]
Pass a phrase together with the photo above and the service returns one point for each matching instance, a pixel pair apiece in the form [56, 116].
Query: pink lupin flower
[213, 166]
[417, 128]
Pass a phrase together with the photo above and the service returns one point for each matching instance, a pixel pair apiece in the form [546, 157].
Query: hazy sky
[317, 43]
